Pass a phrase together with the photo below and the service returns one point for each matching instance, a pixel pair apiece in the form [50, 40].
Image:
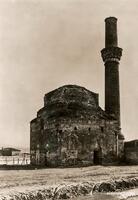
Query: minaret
[111, 55]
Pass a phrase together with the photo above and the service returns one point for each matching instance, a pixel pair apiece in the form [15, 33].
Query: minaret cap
[110, 19]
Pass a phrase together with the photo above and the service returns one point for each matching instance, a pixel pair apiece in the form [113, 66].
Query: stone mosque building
[71, 128]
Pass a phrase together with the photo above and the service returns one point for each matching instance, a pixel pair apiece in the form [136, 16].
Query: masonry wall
[73, 142]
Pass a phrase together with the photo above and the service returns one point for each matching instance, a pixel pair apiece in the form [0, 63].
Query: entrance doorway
[97, 157]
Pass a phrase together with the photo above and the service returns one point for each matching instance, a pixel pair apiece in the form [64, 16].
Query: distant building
[10, 152]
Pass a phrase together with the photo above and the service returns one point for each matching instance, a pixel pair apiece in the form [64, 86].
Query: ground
[22, 181]
[56, 176]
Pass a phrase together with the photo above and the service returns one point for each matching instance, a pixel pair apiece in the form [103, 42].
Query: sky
[45, 44]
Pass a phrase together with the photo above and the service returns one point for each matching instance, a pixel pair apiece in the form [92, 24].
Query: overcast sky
[45, 44]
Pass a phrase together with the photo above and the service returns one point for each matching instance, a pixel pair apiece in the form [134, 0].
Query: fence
[15, 160]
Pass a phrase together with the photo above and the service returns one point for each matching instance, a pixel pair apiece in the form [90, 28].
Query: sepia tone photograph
[68, 99]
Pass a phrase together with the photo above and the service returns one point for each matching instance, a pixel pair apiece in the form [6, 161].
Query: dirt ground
[46, 177]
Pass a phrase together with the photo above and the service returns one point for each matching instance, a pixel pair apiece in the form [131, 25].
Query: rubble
[70, 191]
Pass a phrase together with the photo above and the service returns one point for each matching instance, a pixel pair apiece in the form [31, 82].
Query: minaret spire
[111, 55]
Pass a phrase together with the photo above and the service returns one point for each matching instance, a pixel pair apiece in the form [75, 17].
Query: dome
[71, 93]
[70, 101]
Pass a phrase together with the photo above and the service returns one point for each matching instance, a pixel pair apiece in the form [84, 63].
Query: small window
[42, 124]
[75, 128]
[102, 129]
[89, 129]
[136, 144]
[60, 131]
[115, 134]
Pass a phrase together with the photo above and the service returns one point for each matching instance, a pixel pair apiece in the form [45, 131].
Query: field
[28, 180]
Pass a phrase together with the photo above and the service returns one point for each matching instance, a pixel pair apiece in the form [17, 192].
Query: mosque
[71, 128]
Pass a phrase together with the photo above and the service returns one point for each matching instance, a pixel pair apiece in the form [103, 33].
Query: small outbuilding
[131, 152]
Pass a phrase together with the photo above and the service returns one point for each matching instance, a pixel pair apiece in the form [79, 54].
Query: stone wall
[74, 143]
